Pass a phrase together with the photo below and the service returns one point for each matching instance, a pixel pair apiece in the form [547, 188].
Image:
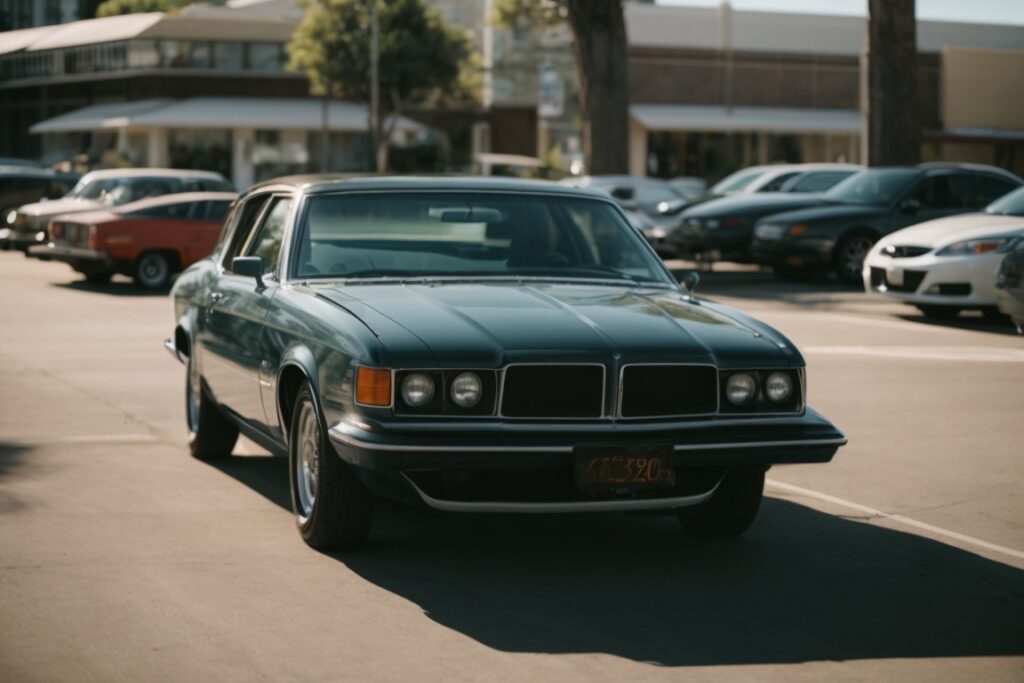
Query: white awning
[218, 113]
[683, 117]
[95, 31]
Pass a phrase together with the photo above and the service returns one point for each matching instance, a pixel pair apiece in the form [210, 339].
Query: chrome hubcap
[854, 254]
[153, 269]
[307, 460]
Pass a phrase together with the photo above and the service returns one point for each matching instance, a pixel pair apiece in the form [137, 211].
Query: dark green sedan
[479, 345]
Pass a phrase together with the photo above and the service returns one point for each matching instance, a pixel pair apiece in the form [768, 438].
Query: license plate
[894, 276]
[625, 469]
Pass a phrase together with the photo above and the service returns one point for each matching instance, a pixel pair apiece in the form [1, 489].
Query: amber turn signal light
[373, 386]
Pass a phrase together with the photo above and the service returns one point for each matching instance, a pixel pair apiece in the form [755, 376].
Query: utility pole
[375, 85]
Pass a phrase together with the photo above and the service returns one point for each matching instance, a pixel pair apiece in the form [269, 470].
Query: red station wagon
[151, 240]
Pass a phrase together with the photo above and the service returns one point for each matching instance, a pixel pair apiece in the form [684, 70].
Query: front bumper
[792, 252]
[721, 243]
[395, 453]
[23, 240]
[76, 257]
[963, 281]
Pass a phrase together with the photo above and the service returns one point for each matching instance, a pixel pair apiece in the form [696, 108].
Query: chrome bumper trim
[169, 345]
[574, 506]
[341, 433]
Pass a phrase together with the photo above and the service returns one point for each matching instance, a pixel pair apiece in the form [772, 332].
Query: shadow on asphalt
[12, 458]
[966, 321]
[115, 288]
[802, 586]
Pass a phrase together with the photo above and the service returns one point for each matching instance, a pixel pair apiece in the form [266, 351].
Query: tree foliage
[110, 8]
[421, 59]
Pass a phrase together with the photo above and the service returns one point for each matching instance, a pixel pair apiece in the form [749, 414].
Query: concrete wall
[983, 89]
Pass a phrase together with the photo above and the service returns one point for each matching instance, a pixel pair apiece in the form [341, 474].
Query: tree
[602, 60]
[892, 123]
[110, 8]
[422, 60]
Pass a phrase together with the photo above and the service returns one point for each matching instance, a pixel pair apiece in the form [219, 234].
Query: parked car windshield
[736, 181]
[117, 191]
[1008, 205]
[877, 186]
[426, 234]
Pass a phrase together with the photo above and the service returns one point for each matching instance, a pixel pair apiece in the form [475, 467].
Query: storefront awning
[218, 113]
[682, 117]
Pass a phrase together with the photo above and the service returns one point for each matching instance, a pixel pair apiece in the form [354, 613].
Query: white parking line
[900, 519]
[980, 354]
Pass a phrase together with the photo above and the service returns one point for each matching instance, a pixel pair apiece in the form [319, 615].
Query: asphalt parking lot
[121, 558]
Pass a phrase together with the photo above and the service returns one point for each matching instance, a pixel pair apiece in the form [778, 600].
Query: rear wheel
[730, 511]
[210, 435]
[333, 508]
[940, 312]
[848, 257]
[152, 270]
[792, 273]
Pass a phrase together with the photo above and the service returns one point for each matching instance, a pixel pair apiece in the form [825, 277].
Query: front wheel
[153, 270]
[211, 436]
[730, 511]
[849, 255]
[333, 508]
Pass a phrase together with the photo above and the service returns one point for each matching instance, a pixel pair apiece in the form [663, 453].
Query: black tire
[792, 274]
[849, 254]
[153, 270]
[994, 316]
[730, 511]
[211, 435]
[97, 278]
[334, 510]
[939, 312]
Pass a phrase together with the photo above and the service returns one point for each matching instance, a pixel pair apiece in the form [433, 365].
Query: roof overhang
[219, 113]
[684, 117]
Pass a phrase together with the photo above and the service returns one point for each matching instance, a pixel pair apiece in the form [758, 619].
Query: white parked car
[947, 265]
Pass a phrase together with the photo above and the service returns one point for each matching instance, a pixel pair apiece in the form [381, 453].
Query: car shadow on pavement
[801, 586]
[115, 288]
[964, 322]
[12, 459]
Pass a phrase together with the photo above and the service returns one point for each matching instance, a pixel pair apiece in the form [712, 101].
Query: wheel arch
[297, 367]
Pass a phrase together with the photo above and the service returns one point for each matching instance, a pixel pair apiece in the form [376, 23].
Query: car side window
[215, 211]
[165, 211]
[266, 242]
[991, 188]
[776, 183]
[944, 192]
[238, 229]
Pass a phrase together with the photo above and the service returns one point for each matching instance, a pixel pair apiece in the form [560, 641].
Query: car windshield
[736, 181]
[876, 186]
[117, 191]
[427, 234]
[1008, 205]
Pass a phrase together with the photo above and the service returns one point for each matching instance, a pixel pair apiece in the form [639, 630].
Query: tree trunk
[602, 61]
[892, 123]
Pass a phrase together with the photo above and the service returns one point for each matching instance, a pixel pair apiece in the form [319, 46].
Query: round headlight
[467, 390]
[778, 387]
[11, 217]
[417, 390]
[740, 389]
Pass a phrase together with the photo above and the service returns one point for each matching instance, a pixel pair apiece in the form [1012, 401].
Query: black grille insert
[553, 391]
[661, 390]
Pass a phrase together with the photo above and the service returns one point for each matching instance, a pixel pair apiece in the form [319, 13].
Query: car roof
[176, 198]
[316, 184]
[151, 173]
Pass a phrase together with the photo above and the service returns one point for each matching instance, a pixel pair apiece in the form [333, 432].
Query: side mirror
[910, 205]
[691, 280]
[249, 266]
[622, 193]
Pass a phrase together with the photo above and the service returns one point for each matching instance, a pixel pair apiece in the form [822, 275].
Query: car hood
[758, 203]
[953, 229]
[829, 212]
[90, 217]
[493, 324]
[56, 206]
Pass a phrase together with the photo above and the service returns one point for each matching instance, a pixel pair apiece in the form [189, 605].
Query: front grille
[911, 280]
[553, 391]
[76, 233]
[664, 390]
[955, 289]
[901, 251]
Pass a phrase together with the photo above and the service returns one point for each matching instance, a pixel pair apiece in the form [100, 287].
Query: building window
[229, 56]
[277, 153]
[266, 56]
[207, 150]
[143, 54]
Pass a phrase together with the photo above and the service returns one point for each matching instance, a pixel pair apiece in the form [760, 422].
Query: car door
[236, 310]
[935, 196]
